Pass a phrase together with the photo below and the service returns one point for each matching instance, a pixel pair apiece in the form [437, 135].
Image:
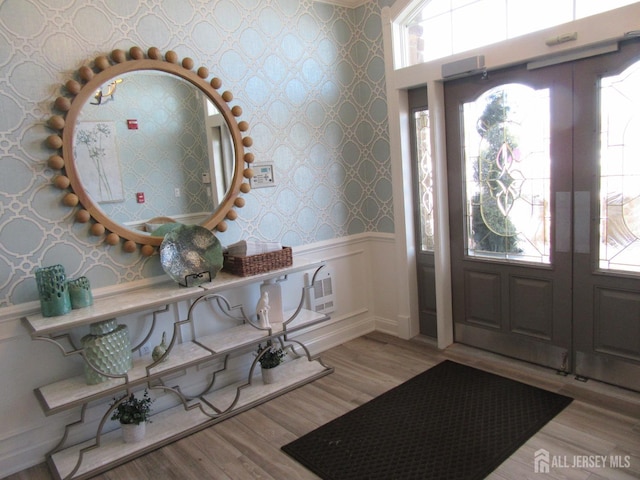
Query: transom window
[439, 28]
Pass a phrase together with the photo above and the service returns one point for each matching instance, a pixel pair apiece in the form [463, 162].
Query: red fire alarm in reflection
[132, 124]
[140, 197]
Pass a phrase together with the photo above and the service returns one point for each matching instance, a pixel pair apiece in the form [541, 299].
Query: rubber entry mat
[450, 422]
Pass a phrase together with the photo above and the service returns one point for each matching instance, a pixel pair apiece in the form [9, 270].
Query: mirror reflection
[150, 146]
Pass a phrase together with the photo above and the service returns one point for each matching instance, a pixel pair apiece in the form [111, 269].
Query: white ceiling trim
[345, 3]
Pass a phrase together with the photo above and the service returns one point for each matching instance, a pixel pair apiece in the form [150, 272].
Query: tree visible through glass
[508, 165]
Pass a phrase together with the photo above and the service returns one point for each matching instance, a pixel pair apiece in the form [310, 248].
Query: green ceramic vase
[53, 291]
[107, 348]
[80, 293]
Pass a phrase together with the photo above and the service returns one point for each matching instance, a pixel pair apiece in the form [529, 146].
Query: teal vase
[53, 291]
[107, 348]
[80, 293]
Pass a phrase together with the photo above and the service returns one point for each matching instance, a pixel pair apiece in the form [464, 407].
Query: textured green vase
[80, 292]
[53, 291]
[107, 348]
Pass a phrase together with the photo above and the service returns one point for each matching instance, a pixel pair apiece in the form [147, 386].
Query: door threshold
[593, 391]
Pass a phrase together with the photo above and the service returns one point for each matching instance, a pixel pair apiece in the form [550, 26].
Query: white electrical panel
[321, 296]
[263, 176]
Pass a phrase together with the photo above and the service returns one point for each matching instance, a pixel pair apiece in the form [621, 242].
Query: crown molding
[345, 3]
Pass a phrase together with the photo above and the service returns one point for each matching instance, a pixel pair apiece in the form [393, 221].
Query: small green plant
[273, 356]
[133, 410]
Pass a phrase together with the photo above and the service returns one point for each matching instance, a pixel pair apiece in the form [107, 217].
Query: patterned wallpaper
[308, 75]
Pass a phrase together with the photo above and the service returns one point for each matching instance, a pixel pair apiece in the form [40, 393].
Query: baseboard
[338, 333]
[386, 325]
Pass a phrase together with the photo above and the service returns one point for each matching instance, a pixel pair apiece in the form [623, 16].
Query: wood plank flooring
[603, 420]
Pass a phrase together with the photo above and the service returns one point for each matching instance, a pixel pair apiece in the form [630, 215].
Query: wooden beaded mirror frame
[91, 79]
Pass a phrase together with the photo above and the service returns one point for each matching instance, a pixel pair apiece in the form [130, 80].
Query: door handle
[581, 221]
[563, 222]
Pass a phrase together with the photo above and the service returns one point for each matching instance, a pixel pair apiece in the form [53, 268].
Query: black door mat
[450, 422]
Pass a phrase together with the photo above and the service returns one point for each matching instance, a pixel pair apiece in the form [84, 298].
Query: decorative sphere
[54, 141]
[56, 122]
[82, 216]
[56, 162]
[188, 63]
[129, 246]
[73, 87]
[97, 229]
[71, 200]
[63, 104]
[85, 73]
[102, 62]
[171, 56]
[61, 181]
[118, 55]
[112, 238]
[154, 53]
[136, 53]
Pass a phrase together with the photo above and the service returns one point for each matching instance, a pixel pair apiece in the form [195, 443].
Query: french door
[544, 200]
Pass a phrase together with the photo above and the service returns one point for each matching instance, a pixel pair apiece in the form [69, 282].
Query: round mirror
[146, 142]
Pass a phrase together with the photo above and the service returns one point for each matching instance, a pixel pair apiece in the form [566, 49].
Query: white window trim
[593, 31]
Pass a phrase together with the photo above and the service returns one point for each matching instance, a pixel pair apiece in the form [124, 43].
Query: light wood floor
[603, 420]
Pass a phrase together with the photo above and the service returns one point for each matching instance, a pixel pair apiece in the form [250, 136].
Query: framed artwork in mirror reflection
[96, 154]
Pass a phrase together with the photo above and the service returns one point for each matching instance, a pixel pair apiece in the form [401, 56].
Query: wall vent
[321, 296]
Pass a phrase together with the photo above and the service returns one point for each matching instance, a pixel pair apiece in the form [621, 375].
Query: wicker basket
[261, 263]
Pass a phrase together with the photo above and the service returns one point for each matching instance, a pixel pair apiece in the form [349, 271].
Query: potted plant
[133, 414]
[269, 357]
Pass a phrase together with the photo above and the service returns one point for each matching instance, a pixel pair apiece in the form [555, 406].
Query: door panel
[511, 285]
[607, 273]
[427, 296]
[532, 307]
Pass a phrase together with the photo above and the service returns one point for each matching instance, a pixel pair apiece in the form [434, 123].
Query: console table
[106, 449]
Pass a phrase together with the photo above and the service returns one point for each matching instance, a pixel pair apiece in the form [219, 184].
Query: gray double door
[544, 200]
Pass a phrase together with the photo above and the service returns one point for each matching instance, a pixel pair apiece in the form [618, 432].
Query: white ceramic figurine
[262, 310]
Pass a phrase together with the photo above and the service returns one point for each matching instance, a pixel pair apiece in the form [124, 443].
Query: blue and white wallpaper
[309, 77]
